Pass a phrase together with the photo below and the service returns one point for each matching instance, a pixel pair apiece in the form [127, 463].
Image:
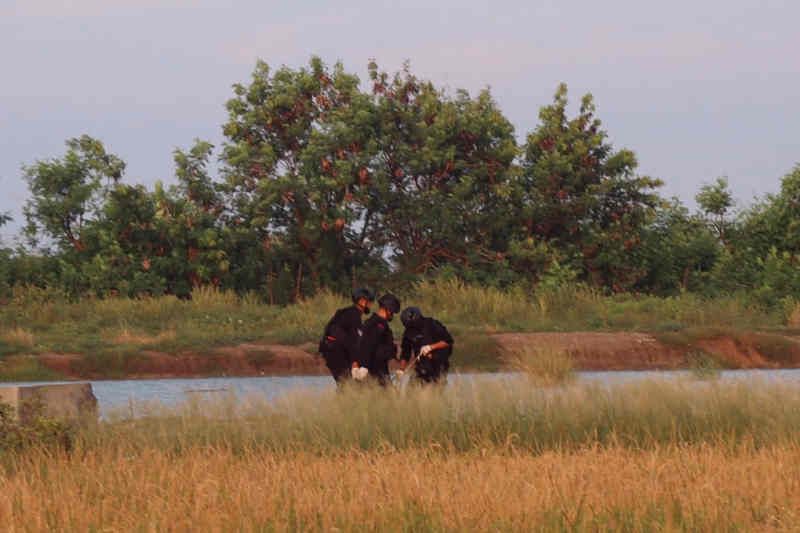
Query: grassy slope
[690, 456]
[106, 332]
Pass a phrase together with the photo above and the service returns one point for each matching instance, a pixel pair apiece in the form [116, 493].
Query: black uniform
[339, 344]
[424, 332]
[377, 348]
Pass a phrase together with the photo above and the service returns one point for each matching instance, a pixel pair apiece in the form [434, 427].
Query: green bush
[37, 431]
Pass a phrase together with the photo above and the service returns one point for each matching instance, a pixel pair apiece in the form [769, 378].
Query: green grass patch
[36, 321]
[26, 368]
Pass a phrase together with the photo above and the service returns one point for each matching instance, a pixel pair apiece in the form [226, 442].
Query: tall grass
[705, 488]
[793, 315]
[35, 321]
[544, 365]
[483, 457]
[506, 414]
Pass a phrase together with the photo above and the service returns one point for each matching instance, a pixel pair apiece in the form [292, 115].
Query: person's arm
[439, 332]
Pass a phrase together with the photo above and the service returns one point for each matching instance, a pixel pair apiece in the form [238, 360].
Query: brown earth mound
[602, 351]
[591, 351]
[242, 360]
[641, 351]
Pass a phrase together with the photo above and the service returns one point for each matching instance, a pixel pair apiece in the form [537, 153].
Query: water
[121, 395]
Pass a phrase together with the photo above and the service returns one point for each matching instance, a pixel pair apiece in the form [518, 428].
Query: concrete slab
[69, 401]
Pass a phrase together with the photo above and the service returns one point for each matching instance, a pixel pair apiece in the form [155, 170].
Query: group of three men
[361, 351]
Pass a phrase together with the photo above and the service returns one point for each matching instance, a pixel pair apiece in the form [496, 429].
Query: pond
[122, 394]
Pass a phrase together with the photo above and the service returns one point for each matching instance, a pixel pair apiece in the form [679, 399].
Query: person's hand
[399, 373]
[426, 351]
[359, 373]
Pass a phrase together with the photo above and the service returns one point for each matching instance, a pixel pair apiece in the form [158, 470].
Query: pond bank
[591, 351]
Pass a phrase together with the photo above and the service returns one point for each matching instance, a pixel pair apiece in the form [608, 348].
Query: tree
[582, 197]
[680, 251]
[716, 201]
[67, 193]
[190, 220]
[299, 142]
[440, 178]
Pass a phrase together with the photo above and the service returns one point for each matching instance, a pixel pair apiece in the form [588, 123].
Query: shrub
[545, 365]
[37, 431]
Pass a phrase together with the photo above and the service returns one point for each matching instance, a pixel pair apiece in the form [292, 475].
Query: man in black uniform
[377, 344]
[339, 344]
[431, 340]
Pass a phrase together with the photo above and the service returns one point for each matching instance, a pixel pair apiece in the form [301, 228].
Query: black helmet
[390, 302]
[362, 292]
[410, 316]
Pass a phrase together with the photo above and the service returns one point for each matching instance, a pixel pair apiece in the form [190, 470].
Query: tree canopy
[325, 181]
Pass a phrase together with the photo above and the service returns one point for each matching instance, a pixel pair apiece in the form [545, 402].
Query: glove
[359, 373]
[426, 351]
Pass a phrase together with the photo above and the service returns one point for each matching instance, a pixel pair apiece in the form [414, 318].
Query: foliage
[716, 200]
[325, 183]
[579, 195]
[679, 251]
[39, 431]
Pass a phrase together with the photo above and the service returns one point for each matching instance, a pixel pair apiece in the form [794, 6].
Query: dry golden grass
[128, 336]
[793, 319]
[206, 489]
[18, 337]
[544, 364]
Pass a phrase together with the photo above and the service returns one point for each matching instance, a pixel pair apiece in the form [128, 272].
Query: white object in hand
[426, 350]
[359, 373]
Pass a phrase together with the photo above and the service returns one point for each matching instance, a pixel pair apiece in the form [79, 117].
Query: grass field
[490, 457]
[107, 332]
[701, 488]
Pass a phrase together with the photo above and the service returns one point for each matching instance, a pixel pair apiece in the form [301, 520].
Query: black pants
[338, 362]
[380, 372]
[431, 370]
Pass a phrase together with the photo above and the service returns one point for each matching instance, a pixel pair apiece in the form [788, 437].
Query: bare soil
[602, 351]
[241, 360]
[591, 351]
[642, 351]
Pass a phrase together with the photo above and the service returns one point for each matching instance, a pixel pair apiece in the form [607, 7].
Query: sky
[698, 89]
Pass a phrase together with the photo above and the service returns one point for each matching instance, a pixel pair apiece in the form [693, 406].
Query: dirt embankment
[242, 360]
[591, 351]
[641, 351]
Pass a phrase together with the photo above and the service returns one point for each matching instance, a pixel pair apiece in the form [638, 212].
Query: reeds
[704, 488]
[505, 414]
[793, 315]
[18, 337]
[545, 365]
[483, 457]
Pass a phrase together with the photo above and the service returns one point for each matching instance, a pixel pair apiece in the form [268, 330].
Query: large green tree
[440, 178]
[67, 194]
[579, 195]
[299, 142]
[716, 201]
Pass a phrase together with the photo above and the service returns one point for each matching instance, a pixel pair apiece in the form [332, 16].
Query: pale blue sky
[696, 88]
